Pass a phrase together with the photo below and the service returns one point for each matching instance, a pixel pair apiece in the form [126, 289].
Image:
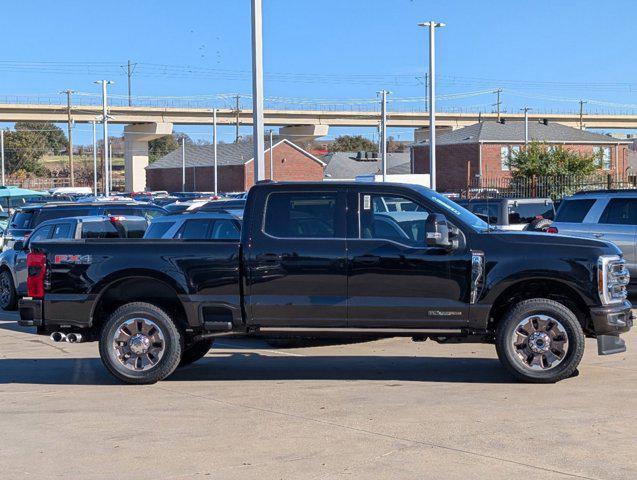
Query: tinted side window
[62, 230]
[54, 213]
[405, 224]
[158, 229]
[574, 211]
[22, 220]
[194, 230]
[301, 215]
[620, 211]
[527, 212]
[41, 233]
[225, 230]
[100, 230]
[486, 211]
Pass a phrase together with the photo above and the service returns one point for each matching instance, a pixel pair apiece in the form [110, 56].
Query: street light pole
[105, 157]
[257, 90]
[69, 93]
[94, 159]
[432, 98]
[526, 124]
[214, 143]
[271, 158]
[383, 133]
[183, 163]
[2, 152]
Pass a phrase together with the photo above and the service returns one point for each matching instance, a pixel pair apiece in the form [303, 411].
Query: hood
[542, 240]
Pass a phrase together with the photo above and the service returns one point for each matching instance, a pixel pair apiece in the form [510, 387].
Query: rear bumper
[30, 312]
[608, 324]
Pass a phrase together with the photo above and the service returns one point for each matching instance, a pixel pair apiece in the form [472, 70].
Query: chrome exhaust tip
[74, 337]
[57, 337]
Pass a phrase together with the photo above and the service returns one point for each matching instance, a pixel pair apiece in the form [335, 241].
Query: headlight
[612, 278]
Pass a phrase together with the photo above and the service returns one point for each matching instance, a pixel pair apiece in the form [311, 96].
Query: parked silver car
[604, 214]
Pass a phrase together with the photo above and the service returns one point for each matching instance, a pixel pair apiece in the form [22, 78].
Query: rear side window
[62, 230]
[22, 220]
[620, 211]
[225, 230]
[486, 211]
[158, 229]
[100, 230]
[194, 230]
[574, 211]
[134, 228]
[41, 233]
[301, 215]
[527, 212]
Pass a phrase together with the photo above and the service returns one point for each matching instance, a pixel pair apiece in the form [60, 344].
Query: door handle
[367, 259]
[598, 235]
[269, 257]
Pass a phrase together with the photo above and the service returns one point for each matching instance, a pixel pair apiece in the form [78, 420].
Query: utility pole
[94, 158]
[70, 134]
[383, 133]
[498, 102]
[129, 73]
[105, 83]
[183, 163]
[237, 112]
[526, 124]
[214, 143]
[581, 114]
[257, 90]
[432, 98]
[426, 91]
[2, 153]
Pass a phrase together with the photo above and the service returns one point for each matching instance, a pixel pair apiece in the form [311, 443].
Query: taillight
[117, 218]
[551, 230]
[36, 267]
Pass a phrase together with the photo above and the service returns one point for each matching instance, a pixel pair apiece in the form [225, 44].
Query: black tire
[8, 295]
[172, 343]
[538, 225]
[513, 357]
[195, 352]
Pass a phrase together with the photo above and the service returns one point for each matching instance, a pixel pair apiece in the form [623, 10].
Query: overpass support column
[136, 138]
[303, 133]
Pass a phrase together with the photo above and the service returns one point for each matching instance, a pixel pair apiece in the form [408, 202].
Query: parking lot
[386, 409]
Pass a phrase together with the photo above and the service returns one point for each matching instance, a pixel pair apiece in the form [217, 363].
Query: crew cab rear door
[296, 258]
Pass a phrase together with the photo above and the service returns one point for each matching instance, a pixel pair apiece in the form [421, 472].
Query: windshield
[449, 205]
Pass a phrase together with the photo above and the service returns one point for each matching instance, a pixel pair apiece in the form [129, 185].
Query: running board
[358, 332]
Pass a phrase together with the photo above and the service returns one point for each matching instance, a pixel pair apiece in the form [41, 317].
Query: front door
[395, 279]
[297, 273]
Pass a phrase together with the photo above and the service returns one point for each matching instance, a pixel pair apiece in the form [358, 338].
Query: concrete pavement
[390, 409]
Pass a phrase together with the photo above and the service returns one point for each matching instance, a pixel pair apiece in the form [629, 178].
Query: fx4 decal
[74, 259]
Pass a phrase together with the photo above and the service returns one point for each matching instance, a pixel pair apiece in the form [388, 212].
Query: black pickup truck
[334, 259]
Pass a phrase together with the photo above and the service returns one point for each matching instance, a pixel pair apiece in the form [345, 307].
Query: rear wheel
[540, 341]
[195, 352]
[140, 344]
[8, 295]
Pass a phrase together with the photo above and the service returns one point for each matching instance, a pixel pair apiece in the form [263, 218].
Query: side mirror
[18, 245]
[437, 231]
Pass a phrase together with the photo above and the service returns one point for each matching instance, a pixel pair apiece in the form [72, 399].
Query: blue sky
[542, 53]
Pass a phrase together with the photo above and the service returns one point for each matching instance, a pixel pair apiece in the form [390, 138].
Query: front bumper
[30, 312]
[608, 322]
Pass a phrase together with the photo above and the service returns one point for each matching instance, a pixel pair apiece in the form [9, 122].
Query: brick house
[482, 150]
[235, 165]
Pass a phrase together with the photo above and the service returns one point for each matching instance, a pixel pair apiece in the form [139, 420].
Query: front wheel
[540, 341]
[8, 295]
[140, 344]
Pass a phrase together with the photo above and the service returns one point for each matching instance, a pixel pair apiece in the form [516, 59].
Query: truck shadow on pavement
[248, 366]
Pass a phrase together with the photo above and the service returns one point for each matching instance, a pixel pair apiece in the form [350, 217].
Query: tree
[23, 151]
[538, 159]
[352, 143]
[53, 136]
[163, 145]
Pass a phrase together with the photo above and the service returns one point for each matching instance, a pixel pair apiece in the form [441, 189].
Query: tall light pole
[93, 122]
[69, 93]
[257, 91]
[526, 124]
[2, 152]
[271, 157]
[432, 98]
[383, 133]
[214, 148]
[104, 83]
[183, 163]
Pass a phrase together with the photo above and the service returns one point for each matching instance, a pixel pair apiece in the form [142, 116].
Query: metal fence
[554, 186]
